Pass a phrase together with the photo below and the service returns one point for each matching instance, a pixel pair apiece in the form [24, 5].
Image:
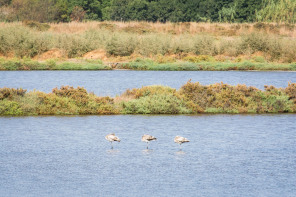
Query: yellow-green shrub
[8, 107]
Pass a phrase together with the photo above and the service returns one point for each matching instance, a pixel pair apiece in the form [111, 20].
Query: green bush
[205, 45]
[74, 45]
[155, 104]
[22, 42]
[154, 100]
[10, 108]
[153, 44]
[121, 45]
[221, 97]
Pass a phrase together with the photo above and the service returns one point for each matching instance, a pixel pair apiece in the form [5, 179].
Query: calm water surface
[229, 155]
[111, 83]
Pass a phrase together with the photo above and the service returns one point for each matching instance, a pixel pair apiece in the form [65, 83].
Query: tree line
[149, 10]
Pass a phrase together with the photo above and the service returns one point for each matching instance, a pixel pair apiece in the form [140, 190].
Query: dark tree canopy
[133, 10]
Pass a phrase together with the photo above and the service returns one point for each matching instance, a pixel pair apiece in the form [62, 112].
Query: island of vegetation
[169, 35]
[191, 98]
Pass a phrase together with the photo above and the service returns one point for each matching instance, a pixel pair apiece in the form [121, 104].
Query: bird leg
[111, 145]
[147, 145]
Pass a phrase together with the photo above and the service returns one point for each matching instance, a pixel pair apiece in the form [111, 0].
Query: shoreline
[144, 64]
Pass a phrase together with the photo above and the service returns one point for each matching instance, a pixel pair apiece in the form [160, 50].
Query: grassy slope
[170, 46]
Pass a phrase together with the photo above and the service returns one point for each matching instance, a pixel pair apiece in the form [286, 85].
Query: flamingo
[180, 140]
[111, 138]
[147, 138]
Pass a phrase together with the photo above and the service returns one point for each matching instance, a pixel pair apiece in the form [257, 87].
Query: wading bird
[180, 140]
[111, 138]
[147, 138]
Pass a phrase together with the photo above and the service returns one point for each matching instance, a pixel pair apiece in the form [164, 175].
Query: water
[111, 83]
[229, 155]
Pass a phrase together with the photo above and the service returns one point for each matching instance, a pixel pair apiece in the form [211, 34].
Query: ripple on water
[228, 155]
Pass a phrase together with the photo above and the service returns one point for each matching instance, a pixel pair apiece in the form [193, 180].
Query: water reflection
[112, 151]
[147, 151]
[180, 152]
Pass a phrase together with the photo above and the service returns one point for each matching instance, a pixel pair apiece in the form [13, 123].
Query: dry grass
[73, 27]
[218, 29]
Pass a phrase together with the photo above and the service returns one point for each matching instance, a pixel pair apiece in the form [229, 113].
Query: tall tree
[37, 10]
[92, 8]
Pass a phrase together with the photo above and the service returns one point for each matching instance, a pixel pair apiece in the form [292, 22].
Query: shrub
[154, 100]
[121, 46]
[291, 92]
[234, 99]
[11, 92]
[149, 91]
[154, 44]
[10, 108]
[23, 42]
[191, 98]
[271, 46]
[199, 58]
[79, 94]
[36, 25]
[205, 45]
[155, 104]
[74, 45]
[51, 104]
[254, 42]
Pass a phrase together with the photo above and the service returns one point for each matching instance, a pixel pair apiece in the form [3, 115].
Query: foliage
[77, 14]
[34, 10]
[10, 108]
[235, 99]
[9, 93]
[277, 11]
[140, 39]
[21, 41]
[148, 10]
[190, 98]
[153, 100]
[121, 45]
[155, 104]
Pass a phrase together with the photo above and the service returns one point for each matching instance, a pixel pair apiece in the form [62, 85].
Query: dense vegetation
[147, 46]
[191, 98]
[149, 10]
